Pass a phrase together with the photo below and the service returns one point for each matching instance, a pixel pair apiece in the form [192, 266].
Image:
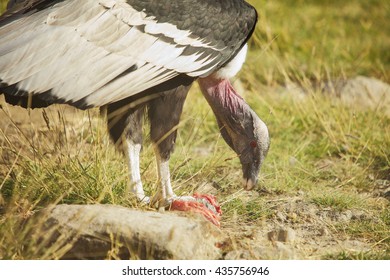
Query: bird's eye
[253, 144]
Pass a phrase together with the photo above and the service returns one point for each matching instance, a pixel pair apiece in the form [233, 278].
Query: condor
[128, 55]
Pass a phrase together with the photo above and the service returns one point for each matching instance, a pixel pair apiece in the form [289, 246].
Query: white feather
[79, 49]
[234, 66]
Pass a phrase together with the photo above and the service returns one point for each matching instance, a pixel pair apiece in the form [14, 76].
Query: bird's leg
[133, 161]
[166, 193]
[164, 115]
[126, 130]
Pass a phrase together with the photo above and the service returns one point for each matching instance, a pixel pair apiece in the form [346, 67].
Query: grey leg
[126, 131]
[164, 115]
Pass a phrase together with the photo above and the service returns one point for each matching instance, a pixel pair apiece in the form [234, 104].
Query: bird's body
[129, 55]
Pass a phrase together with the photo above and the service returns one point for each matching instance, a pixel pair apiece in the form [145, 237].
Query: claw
[161, 203]
[143, 199]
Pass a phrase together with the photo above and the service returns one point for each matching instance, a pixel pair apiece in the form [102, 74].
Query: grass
[311, 39]
[325, 156]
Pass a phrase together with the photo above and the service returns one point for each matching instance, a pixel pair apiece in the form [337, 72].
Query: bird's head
[240, 126]
[249, 138]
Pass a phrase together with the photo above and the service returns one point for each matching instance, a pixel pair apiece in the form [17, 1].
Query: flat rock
[102, 231]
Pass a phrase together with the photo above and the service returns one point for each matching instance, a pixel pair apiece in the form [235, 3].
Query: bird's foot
[142, 198]
[162, 203]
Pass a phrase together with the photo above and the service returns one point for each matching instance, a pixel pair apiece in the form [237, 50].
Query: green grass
[311, 39]
[324, 154]
[337, 200]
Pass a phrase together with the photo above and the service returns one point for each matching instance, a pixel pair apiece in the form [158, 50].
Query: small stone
[323, 231]
[285, 235]
[272, 235]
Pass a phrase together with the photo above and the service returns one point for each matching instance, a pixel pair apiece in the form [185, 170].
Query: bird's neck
[221, 95]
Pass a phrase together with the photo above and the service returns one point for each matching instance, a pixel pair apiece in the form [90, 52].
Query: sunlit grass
[323, 152]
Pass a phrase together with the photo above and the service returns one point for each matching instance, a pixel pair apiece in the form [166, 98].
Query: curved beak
[250, 176]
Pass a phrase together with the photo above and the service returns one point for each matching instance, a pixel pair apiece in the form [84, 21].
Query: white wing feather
[82, 49]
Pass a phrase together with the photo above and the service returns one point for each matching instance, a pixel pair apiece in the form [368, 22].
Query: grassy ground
[325, 168]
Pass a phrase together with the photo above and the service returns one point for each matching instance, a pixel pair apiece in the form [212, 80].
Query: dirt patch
[298, 229]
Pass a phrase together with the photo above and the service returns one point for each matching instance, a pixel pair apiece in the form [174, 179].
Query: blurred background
[324, 38]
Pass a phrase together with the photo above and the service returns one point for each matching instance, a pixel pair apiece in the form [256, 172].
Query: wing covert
[98, 52]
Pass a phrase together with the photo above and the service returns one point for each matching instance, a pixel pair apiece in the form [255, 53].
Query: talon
[161, 203]
[143, 199]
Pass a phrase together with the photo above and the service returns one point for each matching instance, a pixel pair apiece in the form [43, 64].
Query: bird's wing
[91, 53]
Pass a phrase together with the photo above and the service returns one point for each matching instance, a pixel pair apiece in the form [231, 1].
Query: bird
[132, 57]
